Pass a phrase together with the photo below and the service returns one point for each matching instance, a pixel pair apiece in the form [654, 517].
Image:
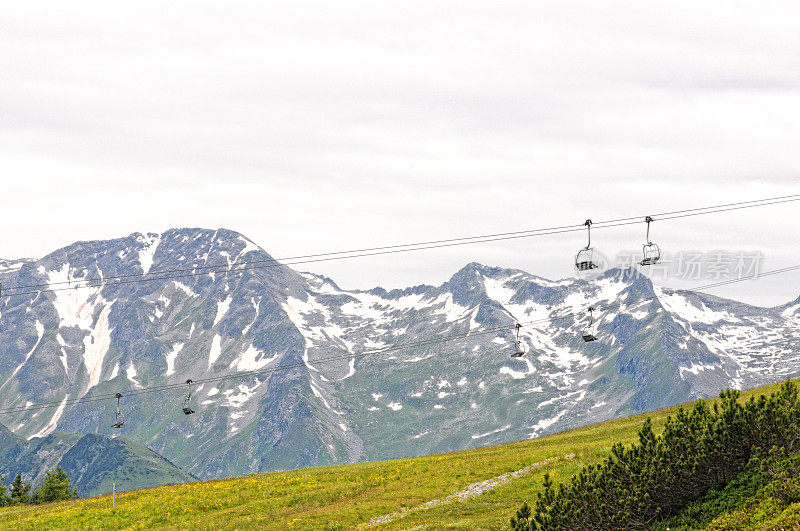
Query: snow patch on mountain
[415, 359]
[610, 288]
[146, 253]
[215, 351]
[63, 357]
[249, 246]
[351, 370]
[241, 394]
[695, 369]
[300, 312]
[577, 302]
[73, 306]
[543, 424]
[51, 426]
[171, 356]
[131, 374]
[318, 393]
[451, 310]
[366, 306]
[184, 288]
[96, 345]
[256, 304]
[790, 311]
[497, 290]
[678, 304]
[639, 314]
[580, 394]
[40, 333]
[252, 359]
[488, 433]
[517, 375]
[222, 308]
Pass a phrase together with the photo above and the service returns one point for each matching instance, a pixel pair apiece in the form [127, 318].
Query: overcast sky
[313, 128]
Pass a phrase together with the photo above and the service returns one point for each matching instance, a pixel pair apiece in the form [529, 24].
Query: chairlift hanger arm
[588, 224]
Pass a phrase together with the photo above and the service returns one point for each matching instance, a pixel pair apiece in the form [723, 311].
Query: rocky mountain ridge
[337, 395]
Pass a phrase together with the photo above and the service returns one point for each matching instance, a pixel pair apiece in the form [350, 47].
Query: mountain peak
[474, 269]
[640, 284]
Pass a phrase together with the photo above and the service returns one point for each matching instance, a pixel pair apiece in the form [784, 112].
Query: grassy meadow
[350, 496]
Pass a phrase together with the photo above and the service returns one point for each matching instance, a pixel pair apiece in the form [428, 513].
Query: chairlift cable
[229, 269]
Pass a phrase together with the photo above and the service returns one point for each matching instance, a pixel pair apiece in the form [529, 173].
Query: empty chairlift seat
[186, 407]
[518, 351]
[651, 254]
[119, 418]
[584, 260]
[588, 332]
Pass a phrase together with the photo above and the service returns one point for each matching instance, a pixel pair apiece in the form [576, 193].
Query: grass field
[350, 496]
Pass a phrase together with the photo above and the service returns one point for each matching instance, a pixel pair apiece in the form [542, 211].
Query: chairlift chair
[651, 254]
[186, 407]
[519, 352]
[588, 333]
[119, 419]
[584, 259]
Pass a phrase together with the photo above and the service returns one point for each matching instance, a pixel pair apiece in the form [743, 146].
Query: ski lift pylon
[584, 259]
[519, 352]
[186, 407]
[119, 418]
[651, 254]
[588, 333]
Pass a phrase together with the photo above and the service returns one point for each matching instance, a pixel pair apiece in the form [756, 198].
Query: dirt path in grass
[470, 491]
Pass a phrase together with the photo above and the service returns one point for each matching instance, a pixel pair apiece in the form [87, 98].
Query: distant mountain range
[656, 348]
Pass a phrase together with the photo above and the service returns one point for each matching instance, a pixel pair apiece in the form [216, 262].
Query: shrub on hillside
[3, 489]
[699, 450]
[20, 491]
[55, 487]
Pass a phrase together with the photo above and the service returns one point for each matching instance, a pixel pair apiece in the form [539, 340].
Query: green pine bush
[699, 451]
[55, 487]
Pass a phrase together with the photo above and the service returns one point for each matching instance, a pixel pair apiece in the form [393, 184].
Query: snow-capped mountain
[329, 402]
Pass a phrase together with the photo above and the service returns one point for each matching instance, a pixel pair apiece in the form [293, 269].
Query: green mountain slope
[8, 441]
[33, 458]
[93, 462]
[96, 462]
[473, 489]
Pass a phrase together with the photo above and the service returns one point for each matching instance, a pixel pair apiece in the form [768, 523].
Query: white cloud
[368, 124]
